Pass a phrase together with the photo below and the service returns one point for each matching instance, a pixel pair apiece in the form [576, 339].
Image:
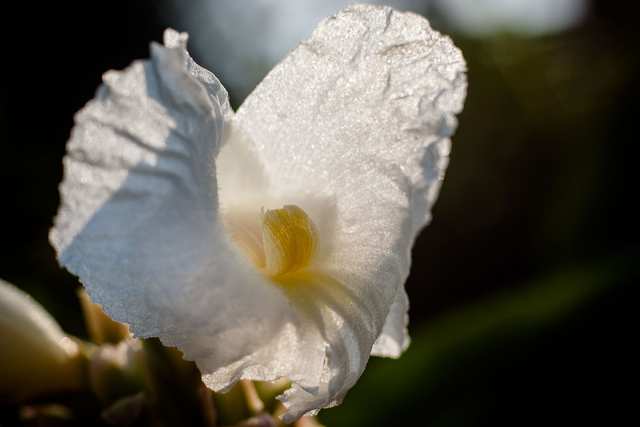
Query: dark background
[523, 287]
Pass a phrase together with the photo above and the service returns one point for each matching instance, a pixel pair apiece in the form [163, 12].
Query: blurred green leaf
[472, 364]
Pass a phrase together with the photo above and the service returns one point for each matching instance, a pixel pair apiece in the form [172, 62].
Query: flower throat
[283, 242]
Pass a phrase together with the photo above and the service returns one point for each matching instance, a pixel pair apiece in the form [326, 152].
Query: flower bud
[269, 390]
[35, 354]
[116, 371]
[101, 328]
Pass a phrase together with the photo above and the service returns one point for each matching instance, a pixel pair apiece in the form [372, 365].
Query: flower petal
[139, 221]
[361, 114]
[394, 339]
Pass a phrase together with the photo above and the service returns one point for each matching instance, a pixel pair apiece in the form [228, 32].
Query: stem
[175, 389]
[252, 399]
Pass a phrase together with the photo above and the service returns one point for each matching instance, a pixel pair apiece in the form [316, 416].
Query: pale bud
[35, 354]
[101, 328]
[115, 371]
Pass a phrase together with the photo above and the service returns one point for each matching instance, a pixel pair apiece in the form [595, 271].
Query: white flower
[273, 242]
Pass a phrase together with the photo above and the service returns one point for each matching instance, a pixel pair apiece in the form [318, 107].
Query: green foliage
[457, 369]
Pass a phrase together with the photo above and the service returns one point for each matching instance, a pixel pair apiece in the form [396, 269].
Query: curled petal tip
[173, 39]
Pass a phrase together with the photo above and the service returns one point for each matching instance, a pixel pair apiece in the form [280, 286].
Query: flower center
[284, 241]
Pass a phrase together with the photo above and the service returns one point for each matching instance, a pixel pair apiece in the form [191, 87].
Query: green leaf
[512, 358]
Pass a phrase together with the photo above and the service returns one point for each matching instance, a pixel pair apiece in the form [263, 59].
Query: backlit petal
[394, 338]
[139, 221]
[360, 115]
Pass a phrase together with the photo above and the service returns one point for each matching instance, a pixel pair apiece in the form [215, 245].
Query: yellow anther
[289, 240]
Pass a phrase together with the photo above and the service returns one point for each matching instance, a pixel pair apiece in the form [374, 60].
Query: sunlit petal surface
[358, 118]
[139, 220]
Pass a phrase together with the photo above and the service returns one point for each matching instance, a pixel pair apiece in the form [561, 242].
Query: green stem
[177, 395]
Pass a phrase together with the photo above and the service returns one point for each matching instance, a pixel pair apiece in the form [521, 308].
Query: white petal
[394, 339]
[139, 221]
[360, 114]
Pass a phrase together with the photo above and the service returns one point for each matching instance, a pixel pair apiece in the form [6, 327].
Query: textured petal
[139, 221]
[360, 115]
[394, 338]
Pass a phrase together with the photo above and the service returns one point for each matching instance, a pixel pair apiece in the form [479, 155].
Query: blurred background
[523, 287]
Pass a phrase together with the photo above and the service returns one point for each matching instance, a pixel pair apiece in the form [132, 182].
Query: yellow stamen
[278, 241]
[289, 240]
